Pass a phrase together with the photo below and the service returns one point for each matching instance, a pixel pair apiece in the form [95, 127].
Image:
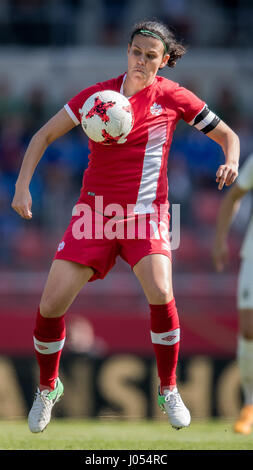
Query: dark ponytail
[174, 48]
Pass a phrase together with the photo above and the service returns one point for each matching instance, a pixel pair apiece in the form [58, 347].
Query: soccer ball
[107, 117]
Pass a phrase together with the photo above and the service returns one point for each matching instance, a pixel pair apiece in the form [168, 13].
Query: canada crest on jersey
[107, 117]
[156, 109]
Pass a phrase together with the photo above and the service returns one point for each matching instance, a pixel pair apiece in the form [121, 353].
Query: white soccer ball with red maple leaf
[107, 117]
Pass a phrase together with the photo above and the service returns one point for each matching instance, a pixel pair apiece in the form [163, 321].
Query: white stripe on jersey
[151, 169]
[71, 114]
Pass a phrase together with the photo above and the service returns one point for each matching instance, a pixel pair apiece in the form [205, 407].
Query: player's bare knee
[49, 308]
[160, 294]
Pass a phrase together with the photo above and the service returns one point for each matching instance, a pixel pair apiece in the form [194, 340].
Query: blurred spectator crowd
[70, 22]
[56, 184]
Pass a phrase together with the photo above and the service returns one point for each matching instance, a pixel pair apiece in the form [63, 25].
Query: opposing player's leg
[155, 275]
[245, 363]
[64, 282]
[245, 346]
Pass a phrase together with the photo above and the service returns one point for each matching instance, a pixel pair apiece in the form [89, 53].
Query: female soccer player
[133, 173]
[228, 209]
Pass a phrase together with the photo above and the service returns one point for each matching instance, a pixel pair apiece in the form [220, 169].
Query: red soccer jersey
[136, 172]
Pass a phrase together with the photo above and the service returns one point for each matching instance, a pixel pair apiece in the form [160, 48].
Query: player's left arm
[197, 114]
[230, 144]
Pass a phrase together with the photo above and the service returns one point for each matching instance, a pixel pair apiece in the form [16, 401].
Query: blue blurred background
[49, 51]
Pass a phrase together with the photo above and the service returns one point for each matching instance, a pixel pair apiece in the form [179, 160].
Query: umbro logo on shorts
[61, 246]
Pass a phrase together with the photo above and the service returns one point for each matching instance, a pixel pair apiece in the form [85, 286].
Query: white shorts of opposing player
[245, 285]
[172, 404]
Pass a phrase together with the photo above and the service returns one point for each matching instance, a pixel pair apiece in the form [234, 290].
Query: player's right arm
[228, 209]
[57, 126]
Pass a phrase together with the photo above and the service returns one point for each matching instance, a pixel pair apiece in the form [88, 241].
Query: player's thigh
[64, 282]
[154, 273]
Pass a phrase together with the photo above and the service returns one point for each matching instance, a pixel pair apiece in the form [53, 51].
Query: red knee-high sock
[49, 337]
[165, 336]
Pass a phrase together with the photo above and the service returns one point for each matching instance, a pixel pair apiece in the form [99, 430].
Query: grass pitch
[64, 434]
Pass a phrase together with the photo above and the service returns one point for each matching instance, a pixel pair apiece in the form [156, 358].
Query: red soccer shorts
[95, 240]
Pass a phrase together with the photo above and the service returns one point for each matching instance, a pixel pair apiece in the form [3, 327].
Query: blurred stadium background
[49, 51]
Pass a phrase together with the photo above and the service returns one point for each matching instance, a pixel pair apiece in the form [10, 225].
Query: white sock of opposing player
[245, 363]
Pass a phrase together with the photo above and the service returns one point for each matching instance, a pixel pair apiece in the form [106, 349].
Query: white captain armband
[205, 121]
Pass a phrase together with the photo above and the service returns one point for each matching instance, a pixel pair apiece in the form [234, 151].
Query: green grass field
[63, 434]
